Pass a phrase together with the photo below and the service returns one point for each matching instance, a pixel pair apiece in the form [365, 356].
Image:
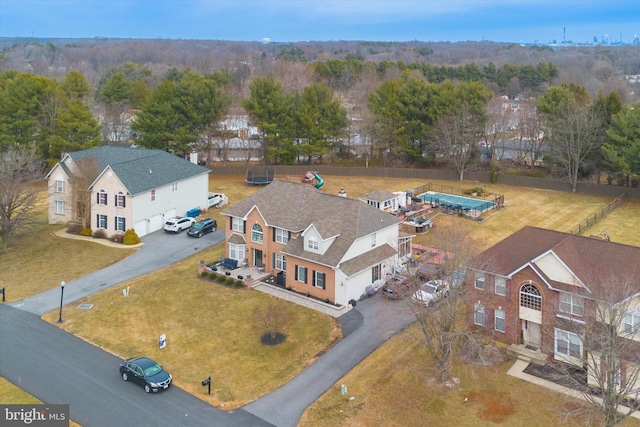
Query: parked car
[178, 224]
[429, 271]
[202, 227]
[146, 373]
[397, 287]
[431, 291]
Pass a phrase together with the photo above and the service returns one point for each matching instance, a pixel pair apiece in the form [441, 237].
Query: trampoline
[260, 176]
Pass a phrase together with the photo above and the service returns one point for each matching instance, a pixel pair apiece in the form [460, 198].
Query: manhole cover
[85, 306]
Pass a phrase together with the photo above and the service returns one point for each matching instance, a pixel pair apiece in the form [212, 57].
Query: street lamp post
[61, 296]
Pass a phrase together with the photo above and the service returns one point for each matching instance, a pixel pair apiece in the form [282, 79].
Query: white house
[134, 188]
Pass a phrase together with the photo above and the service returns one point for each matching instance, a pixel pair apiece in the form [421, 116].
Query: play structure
[260, 176]
[310, 176]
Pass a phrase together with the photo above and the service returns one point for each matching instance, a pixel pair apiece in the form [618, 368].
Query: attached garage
[155, 223]
[141, 228]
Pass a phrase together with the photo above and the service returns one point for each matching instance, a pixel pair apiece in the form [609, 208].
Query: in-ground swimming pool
[449, 201]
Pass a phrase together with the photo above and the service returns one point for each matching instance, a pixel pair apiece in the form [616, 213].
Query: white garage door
[141, 228]
[169, 214]
[155, 223]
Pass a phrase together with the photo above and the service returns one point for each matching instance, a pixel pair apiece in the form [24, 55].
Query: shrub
[230, 281]
[238, 283]
[118, 237]
[100, 233]
[130, 237]
[204, 274]
[213, 276]
[221, 279]
[86, 232]
[74, 227]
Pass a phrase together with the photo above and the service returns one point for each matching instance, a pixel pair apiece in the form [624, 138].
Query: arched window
[530, 297]
[256, 233]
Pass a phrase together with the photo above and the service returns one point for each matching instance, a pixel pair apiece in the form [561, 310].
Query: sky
[519, 21]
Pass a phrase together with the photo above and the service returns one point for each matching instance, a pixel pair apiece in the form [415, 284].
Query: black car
[146, 373]
[203, 227]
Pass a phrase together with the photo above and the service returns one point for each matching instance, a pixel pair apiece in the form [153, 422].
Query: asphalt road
[56, 367]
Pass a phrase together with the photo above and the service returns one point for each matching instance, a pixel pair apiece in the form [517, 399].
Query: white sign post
[163, 340]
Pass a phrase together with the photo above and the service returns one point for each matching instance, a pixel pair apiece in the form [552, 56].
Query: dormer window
[313, 244]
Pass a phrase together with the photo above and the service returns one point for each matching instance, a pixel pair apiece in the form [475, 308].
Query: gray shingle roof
[293, 207]
[141, 169]
[379, 196]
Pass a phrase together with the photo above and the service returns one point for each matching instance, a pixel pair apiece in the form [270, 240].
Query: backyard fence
[592, 219]
[477, 178]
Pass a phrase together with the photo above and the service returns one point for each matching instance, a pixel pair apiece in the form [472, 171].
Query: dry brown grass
[10, 394]
[395, 387]
[207, 324]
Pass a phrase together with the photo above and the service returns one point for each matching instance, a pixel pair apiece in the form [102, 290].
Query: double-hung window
[59, 186]
[102, 197]
[572, 304]
[501, 286]
[101, 221]
[237, 224]
[478, 314]
[568, 344]
[479, 280]
[500, 320]
[632, 324]
[301, 274]
[59, 207]
[319, 280]
[282, 236]
[121, 223]
[280, 262]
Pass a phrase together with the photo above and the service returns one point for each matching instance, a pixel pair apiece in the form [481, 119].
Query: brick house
[537, 290]
[131, 188]
[328, 246]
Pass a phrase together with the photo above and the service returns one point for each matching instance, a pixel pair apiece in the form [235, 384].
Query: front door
[257, 258]
[531, 333]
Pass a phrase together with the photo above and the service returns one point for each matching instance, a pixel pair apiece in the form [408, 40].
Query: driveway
[56, 367]
[160, 249]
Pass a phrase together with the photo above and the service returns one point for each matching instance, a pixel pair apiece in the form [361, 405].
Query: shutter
[313, 277]
[296, 272]
[244, 227]
[98, 198]
[306, 276]
[230, 223]
[324, 281]
[288, 235]
[273, 234]
[273, 260]
[623, 376]
[115, 200]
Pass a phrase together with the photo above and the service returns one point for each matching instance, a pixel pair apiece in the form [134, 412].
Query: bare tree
[19, 191]
[610, 350]
[457, 134]
[574, 136]
[499, 119]
[272, 318]
[440, 322]
[85, 171]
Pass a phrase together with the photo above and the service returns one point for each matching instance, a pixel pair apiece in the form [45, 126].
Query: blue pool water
[457, 202]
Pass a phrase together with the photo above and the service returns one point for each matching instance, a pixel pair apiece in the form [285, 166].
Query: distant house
[129, 188]
[331, 247]
[536, 290]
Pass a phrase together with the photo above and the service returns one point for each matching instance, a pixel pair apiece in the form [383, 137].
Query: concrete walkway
[517, 370]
